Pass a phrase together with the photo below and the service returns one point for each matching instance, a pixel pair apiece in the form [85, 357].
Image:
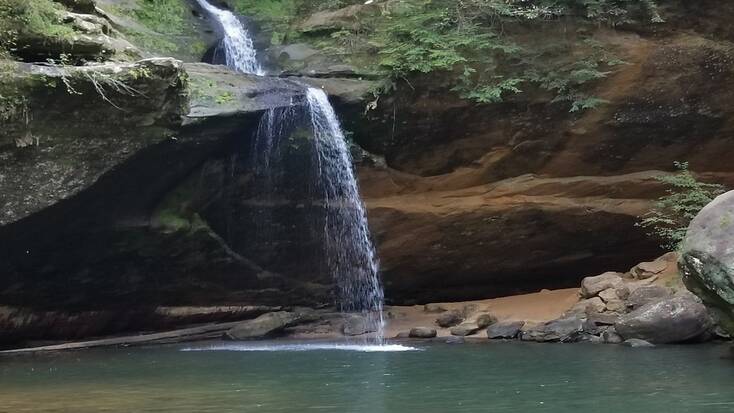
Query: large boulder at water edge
[504, 329]
[707, 259]
[673, 320]
[265, 325]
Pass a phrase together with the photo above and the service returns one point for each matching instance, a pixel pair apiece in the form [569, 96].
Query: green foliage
[161, 16]
[471, 41]
[37, 18]
[672, 213]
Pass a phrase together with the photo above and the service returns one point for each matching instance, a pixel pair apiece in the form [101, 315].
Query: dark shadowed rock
[422, 332]
[504, 329]
[455, 340]
[449, 319]
[672, 320]
[564, 329]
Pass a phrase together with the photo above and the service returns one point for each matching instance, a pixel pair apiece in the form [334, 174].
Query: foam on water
[368, 348]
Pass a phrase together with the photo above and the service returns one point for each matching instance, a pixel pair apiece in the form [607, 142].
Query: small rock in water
[422, 332]
[504, 329]
[486, 320]
[637, 343]
[464, 330]
[449, 319]
[455, 340]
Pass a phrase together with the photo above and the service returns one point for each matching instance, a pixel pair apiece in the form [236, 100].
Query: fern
[670, 216]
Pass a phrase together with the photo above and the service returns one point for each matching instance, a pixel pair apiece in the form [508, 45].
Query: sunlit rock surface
[707, 262]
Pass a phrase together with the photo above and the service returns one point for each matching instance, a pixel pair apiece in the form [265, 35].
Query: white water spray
[239, 49]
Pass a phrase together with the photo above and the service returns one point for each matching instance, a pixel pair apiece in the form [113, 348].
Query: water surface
[492, 377]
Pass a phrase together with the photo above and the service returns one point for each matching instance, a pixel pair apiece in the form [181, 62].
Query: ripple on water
[365, 348]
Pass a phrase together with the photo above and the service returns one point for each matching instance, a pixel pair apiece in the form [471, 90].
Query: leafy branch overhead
[474, 42]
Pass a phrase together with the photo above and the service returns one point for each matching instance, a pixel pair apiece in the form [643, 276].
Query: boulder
[449, 319]
[422, 332]
[637, 343]
[612, 300]
[465, 330]
[646, 270]
[264, 326]
[504, 329]
[355, 325]
[594, 304]
[646, 295]
[610, 336]
[433, 308]
[707, 260]
[602, 319]
[591, 286]
[485, 320]
[455, 340]
[671, 320]
[569, 329]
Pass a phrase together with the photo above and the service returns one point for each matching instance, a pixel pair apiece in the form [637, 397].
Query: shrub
[669, 218]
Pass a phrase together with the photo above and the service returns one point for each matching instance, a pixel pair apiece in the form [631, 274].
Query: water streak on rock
[238, 45]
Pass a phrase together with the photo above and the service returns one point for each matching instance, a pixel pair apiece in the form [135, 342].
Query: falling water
[239, 49]
[349, 250]
[349, 253]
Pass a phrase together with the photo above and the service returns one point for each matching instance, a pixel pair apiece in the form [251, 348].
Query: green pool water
[437, 378]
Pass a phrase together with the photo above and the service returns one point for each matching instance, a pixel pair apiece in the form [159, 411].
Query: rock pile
[618, 307]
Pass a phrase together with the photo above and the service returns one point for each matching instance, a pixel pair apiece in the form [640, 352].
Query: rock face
[671, 320]
[707, 262]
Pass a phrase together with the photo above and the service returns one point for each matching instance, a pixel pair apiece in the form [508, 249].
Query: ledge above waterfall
[217, 91]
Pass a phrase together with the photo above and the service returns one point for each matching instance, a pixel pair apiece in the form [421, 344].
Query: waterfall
[350, 254]
[348, 251]
[239, 49]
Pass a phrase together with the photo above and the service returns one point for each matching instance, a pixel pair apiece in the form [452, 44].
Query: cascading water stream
[349, 253]
[238, 45]
[349, 250]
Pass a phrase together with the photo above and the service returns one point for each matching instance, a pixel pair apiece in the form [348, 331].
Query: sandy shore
[537, 307]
